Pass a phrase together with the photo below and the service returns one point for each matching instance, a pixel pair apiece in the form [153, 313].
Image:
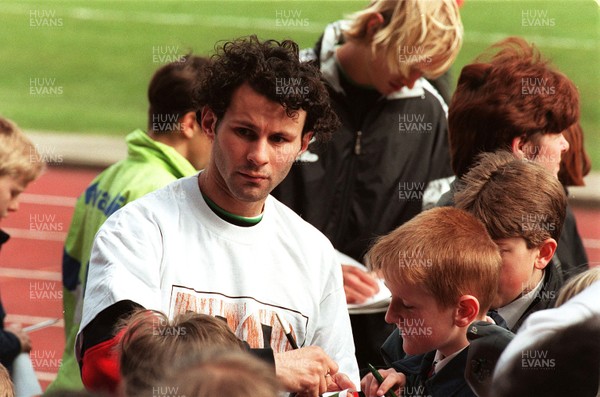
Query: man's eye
[278, 139]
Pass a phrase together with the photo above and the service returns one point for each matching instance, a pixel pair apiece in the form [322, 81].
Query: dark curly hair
[272, 69]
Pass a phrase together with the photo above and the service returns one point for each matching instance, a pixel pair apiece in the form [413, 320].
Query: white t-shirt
[169, 251]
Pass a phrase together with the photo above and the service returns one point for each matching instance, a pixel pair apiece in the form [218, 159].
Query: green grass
[102, 54]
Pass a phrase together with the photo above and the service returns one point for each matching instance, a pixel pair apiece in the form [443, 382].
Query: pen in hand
[377, 375]
[288, 334]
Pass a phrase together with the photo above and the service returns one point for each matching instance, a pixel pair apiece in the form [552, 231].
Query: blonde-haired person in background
[6, 385]
[576, 284]
[391, 151]
[20, 164]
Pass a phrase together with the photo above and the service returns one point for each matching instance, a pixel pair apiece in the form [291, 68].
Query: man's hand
[21, 335]
[371, 388]
[306, 371]
[358, 284]
[339, 382]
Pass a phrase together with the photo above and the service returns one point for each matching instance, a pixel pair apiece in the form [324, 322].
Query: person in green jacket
[173, 147]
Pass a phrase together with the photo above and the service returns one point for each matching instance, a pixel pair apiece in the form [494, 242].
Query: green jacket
[149, 166]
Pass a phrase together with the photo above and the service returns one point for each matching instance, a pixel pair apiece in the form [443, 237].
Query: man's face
[10, 189]
[254, 145]
[518, 270]
[423, 324]
[386, 81]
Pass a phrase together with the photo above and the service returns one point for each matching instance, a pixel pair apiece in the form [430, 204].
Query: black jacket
[373, 176]
[449, 382]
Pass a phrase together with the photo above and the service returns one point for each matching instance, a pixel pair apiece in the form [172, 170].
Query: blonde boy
[442, 269]
[523, 208]
[20, 163]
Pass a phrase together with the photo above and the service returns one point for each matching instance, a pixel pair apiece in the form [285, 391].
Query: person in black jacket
[390, 156]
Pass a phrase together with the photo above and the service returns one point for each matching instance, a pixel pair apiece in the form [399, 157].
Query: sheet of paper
[375, 304]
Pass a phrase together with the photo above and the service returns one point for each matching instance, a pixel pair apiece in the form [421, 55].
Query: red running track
[30, 263]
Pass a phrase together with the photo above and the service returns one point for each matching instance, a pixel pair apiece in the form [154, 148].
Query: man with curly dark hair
[218, 243]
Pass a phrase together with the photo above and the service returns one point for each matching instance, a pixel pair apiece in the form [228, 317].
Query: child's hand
[21, 335]
[391, 378]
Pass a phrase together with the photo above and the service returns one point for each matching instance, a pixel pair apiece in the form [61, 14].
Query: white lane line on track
[30, 274]
[591, 243]
[46, 199]
[46, 376]
[36, 234]
[28, 320]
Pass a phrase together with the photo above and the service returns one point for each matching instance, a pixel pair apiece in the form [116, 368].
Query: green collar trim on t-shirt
[237, 220]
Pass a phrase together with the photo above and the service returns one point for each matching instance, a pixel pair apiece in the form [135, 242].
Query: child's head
[151, 342]
[576, 284]
[514, 101]
[20, 163]
[410, 36]
[6, 385]
[442, 269]
[222, 373]
[523, 208]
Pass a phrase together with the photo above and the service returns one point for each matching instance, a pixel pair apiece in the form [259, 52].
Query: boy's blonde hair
[19, 157]
[6, 385]
[576, 284]
[513, 198]
[422, 35]
[151, 341]
[444, 250]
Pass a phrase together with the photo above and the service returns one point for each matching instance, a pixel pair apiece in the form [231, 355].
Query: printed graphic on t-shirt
[251, 320]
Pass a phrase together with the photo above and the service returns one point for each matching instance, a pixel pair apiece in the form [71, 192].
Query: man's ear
[209, 122]
[374, 23]
[188, 121]
[546, 252]
[467, 311]
[305, 141]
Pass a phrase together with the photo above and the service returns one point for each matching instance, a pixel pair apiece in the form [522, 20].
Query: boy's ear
[188, 121]
[546, 252]
[467, 311]
[374, 23]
